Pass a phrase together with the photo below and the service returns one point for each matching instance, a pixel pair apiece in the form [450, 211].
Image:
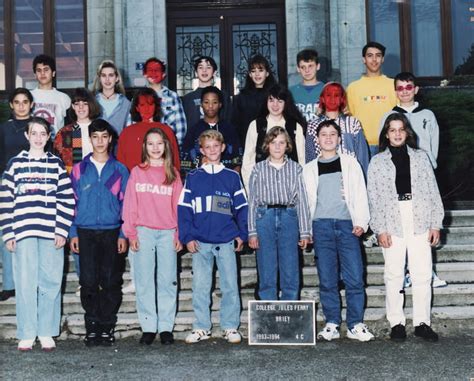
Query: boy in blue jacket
[99, 183]
[212, 213]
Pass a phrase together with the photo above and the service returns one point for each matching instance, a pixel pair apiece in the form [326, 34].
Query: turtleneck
[401, 160]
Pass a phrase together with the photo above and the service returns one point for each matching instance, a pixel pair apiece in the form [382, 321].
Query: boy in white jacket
[340, 212]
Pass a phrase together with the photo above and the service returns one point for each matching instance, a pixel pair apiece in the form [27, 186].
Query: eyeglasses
[407, 88]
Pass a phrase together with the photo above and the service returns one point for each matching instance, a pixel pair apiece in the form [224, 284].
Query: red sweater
[129, 151]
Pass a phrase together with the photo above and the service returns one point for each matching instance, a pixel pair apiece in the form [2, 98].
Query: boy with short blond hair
[212, 214]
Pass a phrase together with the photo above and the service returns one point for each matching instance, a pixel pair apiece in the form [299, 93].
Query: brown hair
[97, 86]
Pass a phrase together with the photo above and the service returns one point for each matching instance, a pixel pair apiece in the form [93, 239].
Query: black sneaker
[425, 332]
[6, 294]
[398, 333]
[147, 338]
[92, 338]
[166, 338]
[107, 337]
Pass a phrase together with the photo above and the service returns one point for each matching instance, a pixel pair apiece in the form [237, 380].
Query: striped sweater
[36, 198]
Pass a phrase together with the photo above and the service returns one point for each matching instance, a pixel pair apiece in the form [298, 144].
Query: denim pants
[7, 266]
[418, 250]
[101, 275]
[337, 248]
[203, 264]
[278, 235]
[38, 272]
[156, 294]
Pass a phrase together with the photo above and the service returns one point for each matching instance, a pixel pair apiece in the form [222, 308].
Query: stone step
[453, 295]
[444, 321]
[458, 235]
[445, 253]
[458, 218]
[461, 272]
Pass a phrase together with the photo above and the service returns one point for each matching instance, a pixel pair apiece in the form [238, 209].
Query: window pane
[2, 48]
[463, 36]
[70, 60]
[28, 35]
[384, 28]
[191, 43]
[426, 38]
[251, 39]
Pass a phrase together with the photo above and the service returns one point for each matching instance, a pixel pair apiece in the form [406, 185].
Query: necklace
[108, 97]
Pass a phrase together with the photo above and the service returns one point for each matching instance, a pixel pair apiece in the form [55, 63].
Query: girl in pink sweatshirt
[150, 224]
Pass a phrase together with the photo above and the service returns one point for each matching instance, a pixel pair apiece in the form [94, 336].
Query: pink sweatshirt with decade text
[149, 202]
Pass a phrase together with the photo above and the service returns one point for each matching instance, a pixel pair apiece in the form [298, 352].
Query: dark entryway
[230, 32]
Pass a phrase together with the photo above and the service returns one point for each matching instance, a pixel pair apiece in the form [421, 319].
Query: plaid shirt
[173, 113]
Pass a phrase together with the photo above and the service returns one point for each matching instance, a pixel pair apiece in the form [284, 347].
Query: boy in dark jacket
[99, 183]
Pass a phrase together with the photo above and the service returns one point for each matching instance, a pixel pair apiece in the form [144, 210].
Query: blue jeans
[7, 267]
[278, 235]
[203, 264]
[156, 309]
[38, 271]
[336, 247]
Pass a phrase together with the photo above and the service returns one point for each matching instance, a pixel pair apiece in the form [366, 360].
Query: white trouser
[420, 263]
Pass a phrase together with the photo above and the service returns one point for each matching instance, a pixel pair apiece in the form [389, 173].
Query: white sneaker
[78, 291]
[47, 343]
[232, 336]
[360, 332]
[437, 282]
[370, 241]
[129, 288]
[26, 345]
[329, 332]
[197, 335]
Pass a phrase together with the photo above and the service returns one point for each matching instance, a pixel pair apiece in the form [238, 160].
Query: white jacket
[355, 191]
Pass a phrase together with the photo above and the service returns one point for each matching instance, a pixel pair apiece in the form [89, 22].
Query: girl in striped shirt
[279, 218]
[37, 207]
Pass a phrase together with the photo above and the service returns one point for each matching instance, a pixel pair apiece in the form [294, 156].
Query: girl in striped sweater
[36, 210]
[279, 218]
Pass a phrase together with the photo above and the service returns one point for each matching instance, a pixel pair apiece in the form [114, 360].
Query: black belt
[404, 196]
[279, 206]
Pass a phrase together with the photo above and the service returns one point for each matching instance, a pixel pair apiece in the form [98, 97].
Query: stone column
[307, 26]
[100, 34]
[349, 36]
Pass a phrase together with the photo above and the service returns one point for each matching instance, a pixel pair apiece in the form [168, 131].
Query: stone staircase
[453, 306]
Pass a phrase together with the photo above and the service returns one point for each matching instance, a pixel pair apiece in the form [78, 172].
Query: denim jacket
[428, 211]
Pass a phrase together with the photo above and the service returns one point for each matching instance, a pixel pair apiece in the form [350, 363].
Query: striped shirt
[36, 198]
[285, 186]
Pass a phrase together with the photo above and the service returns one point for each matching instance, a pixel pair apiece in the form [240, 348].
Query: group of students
[306, 179]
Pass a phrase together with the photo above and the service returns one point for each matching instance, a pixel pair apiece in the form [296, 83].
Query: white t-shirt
[52, 106]
[86, 141]
[99, 166]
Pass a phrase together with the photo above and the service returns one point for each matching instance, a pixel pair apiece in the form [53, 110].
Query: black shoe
[425, 332]
[147, 338]
[107, 337]
[6, 294]
[398, 333]
[92, 338]
[166, 337]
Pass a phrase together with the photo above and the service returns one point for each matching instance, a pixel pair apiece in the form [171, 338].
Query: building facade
[432, 38]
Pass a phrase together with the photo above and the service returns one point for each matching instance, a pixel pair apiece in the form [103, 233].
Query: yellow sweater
[369, 98]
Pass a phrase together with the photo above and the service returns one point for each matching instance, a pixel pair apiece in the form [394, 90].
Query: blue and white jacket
[213, 206]
[36, 198]
[99, 199]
